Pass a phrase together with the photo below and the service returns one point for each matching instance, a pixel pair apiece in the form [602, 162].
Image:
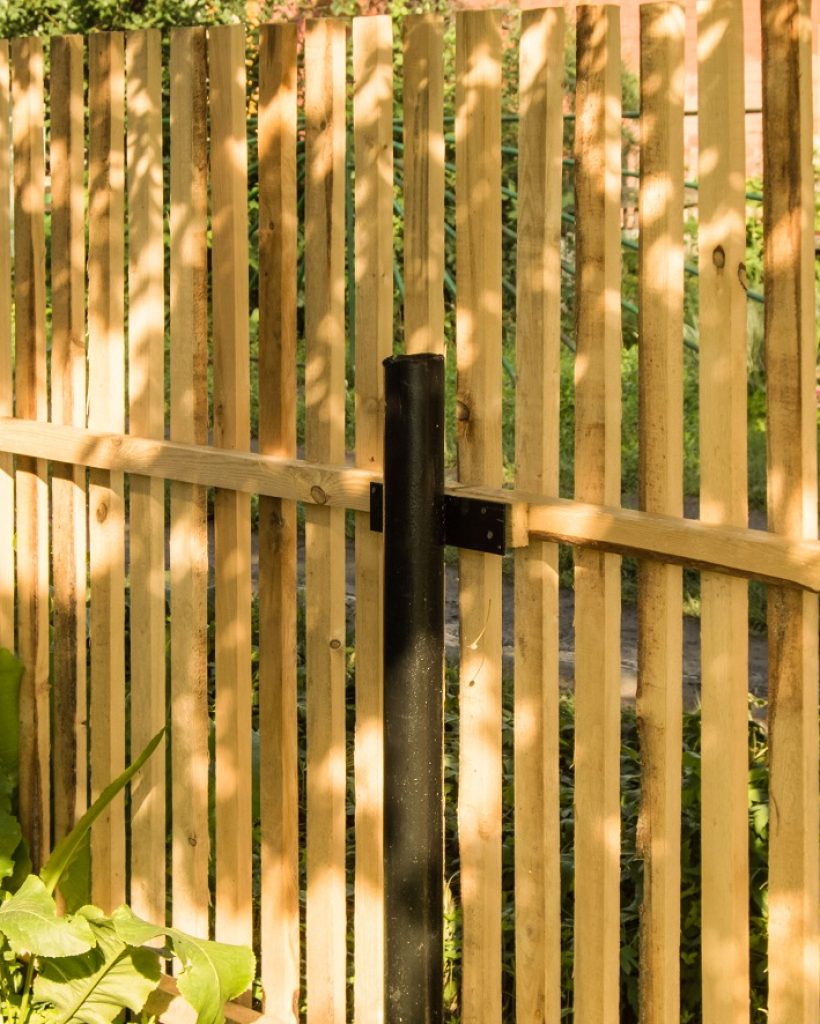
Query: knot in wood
[462, 411]
[335, 645]
[719, 257]
[318, 495]
[102, 512]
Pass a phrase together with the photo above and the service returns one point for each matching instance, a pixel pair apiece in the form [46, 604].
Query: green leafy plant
[83, 965]
[632, 867]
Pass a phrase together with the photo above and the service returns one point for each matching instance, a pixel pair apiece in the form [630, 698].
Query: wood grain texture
[597, 479]
[6, 361]
[166, 1004]
[660, 587]
[188, 552]
[279, 759]
[723, 461]
[324, 528]
[146, 400]
[106, 406]
[373, 142]
[423, 99]
[726, 549]
[538, 321]
[478, 416]
[232, 520]
[788, 210]
[68, 485]
[753, 554]
[31, 401]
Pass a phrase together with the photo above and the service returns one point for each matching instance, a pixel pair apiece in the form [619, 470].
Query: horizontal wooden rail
[250, 473]
[754, 554]
[166, 1004]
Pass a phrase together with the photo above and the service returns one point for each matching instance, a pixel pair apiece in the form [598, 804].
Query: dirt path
[758, 666]
[758, 671]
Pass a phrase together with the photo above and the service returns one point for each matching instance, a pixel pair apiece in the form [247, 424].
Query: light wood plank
[725, 549]
[423, 98]
[324, 528]
[68, 486]
[166, 1004]
[146, 397]
[188, 551]
[232, 521]
[279, 757]
[538, 321]
[724, 616]
[106, 403]
[660, 589]
[478, 416]
[28, 112]
[597, 479]
[6, 348]
[753, 554]
[788, 214]
[373, 139]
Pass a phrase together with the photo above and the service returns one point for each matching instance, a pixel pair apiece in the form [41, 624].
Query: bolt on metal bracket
[469, 523]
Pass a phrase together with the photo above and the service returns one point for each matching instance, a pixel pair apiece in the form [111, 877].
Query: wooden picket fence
[74, 425]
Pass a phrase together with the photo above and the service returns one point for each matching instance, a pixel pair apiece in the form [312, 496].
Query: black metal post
[413, 685]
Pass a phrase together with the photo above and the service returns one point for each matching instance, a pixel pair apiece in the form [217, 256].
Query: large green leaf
[10, 836]
[71, 846]
[15, 863]
[6, 790]
[22, 867]
[75, 882]
[212, 974]
[29, 921]
[132, 930]
[11, 671]
[96, 987]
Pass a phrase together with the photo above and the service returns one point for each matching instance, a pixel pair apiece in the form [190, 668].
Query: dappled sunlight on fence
[659, 702]
[182, 605]
[790, 311]
[146, 418]
[31, 486]
[6, 361]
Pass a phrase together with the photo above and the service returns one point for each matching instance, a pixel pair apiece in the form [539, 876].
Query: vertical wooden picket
[106, 397]
[189, 529]
[32, 474]
[68, 492]
[232, 512]
[30, 403]
[423, 97]
[6, 376]
[324, 528]
[788, 211]
[538, 340]
[373, 140]
[278, 735]
[597, 479]
[146, 394]
[723, 490]
[478, 416]
[660, 587]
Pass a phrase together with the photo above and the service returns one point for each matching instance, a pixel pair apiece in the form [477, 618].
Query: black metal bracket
[469, 523]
